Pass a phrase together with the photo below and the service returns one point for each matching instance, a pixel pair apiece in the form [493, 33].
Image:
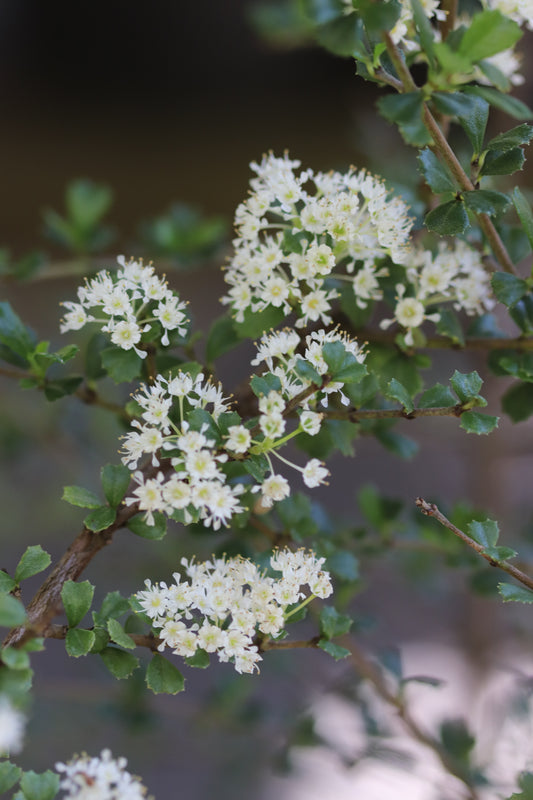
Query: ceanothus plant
[340, 287]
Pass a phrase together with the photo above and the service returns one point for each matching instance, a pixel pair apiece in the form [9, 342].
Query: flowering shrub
[341, 288]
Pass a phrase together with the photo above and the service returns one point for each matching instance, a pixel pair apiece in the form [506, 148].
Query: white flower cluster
[404, 30]
[291, 239]
[197, 486]
[455, 274]
[132, 300]
[278, 351]
[99, 778]
[226, 602]
[12, 725]
[519, 10]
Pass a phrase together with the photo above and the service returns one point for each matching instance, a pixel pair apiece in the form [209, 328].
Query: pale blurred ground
[169, 102]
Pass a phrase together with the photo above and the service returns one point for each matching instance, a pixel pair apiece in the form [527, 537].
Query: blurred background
[168, 103]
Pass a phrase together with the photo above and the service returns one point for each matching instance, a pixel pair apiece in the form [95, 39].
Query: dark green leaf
[517, 402]
[523, 209]
[344, 36]
[525, 782]
[471, 111]
[334, 435]
[118, 635]
[256, 323]
[482, 201]
[43, 786]
[522, 313]
[114, 605]
[257, 466]
[332, 623]
[115, 481]
[504, 102]
[449, 325]
[12, 612]
[485, 533]
[396, 391]
[436, 174]
[424, 30]
[62, 387]
[378, 17]
[77, 599]
[7, 583]
[79, 642]
[466, 385]
[405, 110]
[518, 594]
[499, 163]
[456, 738]
[78, 496]
[162, 677]
[118, 662]
[140, 527]
[520, 135]
[509, 289]
[264, 384]
[488, 33]
[221, 339]
[100, 519]
[14, 658]
[500, 554]
[9, 775]
[296, 514]
[474, 422]
[342, 365]
[200, 660]
[33, 561]
[334, 650]
[448, 219]
[13, 332]
[438, 396]
[122, 366]
[306, 371]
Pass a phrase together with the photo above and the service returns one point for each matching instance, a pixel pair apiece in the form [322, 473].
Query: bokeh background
[169, 102]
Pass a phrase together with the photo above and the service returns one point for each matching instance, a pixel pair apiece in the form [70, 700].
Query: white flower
[239, 439]
[314, 473]
[12, 725]
[274, 489]
[311, 422]
[101, 778]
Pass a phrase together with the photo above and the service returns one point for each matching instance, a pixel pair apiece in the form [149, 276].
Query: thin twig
[431, 510]
[359, 415]
[448, 156]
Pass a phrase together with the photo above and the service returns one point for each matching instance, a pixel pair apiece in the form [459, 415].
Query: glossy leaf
[518, 594]
[475, 422]
[335, 650]
[396, 391]
[79, 642]
[482, 201]
[435, 173]
[33, 561]
[489, 33]
[119, 635]
[517, 402]
[405, 110]
[115, 481]
[332, 623]
[100, 519]
[523, 209]
[498, 162]
[448, 219]
[162, 677]
[471, 111]
[140, 527]
[509, 289]
[77, 599]
[119, 663]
